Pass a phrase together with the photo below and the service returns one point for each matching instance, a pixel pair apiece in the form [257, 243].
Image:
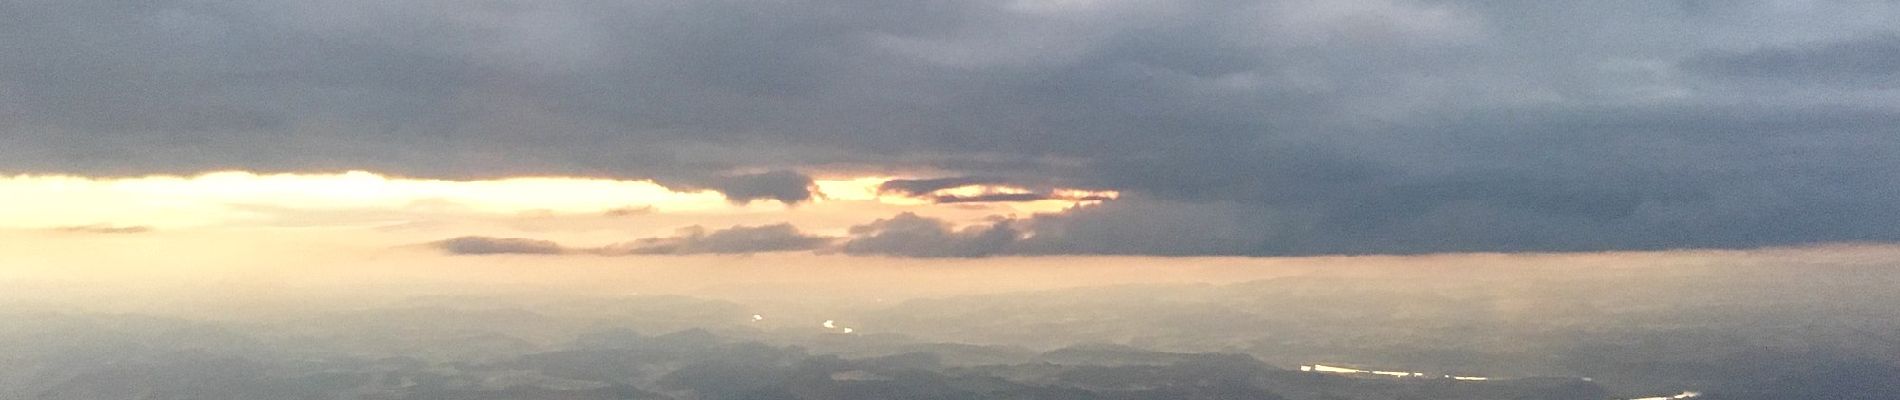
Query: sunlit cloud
[128, 204]
[977, 190]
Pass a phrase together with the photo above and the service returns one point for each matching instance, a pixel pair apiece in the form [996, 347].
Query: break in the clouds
[981, 190]
[924, 187]
[1229, 127]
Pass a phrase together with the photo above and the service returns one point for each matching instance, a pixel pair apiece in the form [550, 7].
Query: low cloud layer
[481, 245]
[910, 235]
[1111, 228]
[734, 240]
[691, 240]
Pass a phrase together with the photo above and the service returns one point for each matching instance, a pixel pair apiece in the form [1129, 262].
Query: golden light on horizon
[214, 198]
[172, 201]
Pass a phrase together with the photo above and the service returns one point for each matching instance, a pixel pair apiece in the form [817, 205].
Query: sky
[851, 129]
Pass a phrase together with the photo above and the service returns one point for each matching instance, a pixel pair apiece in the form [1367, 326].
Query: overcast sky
[1228, 127]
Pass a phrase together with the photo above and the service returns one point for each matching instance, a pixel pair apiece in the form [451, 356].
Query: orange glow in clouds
[165, 201]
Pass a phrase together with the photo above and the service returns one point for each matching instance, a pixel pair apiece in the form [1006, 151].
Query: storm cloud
[1362, 126]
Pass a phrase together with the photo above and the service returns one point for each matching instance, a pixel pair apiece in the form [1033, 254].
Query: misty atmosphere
[1461, 329]
[950, 199]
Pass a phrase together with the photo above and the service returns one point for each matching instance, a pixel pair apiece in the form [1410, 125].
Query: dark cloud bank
[1253, 127]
